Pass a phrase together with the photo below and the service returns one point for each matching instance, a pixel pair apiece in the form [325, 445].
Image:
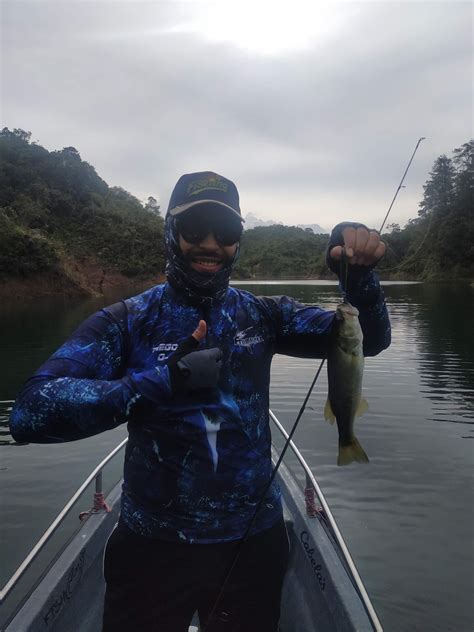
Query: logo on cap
[204, 184]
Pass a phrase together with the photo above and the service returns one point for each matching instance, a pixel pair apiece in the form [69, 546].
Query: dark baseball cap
[204, 187]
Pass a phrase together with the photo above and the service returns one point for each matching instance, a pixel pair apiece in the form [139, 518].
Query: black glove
[336, 239]
[191, 370]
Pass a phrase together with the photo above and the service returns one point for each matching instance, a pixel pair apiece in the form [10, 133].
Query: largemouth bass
[345, 365]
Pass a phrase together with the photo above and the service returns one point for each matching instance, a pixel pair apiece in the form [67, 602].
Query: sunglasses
[195, 227]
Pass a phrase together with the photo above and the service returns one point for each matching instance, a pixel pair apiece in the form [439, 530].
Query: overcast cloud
[312, 109]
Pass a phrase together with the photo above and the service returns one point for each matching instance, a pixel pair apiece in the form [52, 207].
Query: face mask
[199, 287]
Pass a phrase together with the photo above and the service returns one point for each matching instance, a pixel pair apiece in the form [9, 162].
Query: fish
[345, 368]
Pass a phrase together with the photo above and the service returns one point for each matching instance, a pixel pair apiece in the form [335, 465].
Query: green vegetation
[54, 206]
[436, 245]
[282, 252]
[56, 212]
[439, 243]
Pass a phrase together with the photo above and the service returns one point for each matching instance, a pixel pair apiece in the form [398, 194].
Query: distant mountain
[316, 228]
[252, 221]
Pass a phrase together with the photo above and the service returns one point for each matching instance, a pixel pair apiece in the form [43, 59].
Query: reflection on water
[406, 517]
[445, 346]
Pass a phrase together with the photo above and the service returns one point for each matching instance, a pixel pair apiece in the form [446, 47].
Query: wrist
[363, 289]
[153, 384]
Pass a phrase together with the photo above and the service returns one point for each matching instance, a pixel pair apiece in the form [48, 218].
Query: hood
[198, 287]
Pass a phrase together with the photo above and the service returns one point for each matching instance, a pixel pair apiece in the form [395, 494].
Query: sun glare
[267, 27]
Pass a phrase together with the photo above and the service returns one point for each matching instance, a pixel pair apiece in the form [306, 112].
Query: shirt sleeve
[300, 330]
[82, 389]
[305, 330]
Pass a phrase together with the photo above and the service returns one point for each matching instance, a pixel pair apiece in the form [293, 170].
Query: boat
[322, 592]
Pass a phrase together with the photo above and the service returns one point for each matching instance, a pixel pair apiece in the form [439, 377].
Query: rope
[312, 510]
[99, 505]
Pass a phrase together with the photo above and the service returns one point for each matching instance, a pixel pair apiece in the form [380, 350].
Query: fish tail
[351, 452]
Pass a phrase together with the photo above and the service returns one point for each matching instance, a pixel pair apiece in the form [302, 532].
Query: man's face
[207, 256]
[204, 239]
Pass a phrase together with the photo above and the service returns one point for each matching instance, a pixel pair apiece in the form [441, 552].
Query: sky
[312, 108]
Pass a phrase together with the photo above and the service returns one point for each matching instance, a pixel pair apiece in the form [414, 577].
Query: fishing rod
[295, 425]
[344, 262]
[262, 498]
[390, 208]
[401, 182]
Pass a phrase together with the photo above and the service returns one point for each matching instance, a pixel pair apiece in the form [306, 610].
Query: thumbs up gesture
[192, 370]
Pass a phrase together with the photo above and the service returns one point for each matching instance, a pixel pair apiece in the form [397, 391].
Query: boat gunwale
[8, 587]
[327, 514]
[335, 532]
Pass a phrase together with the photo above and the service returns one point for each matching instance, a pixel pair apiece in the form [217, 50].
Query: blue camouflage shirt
[195, 465]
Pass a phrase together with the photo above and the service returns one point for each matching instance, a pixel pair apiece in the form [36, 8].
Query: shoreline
[74, 279]
[94, 282]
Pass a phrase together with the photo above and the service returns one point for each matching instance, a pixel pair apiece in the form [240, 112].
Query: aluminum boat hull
[319, 593]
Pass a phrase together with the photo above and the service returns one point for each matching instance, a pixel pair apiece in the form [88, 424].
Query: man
[187, 365]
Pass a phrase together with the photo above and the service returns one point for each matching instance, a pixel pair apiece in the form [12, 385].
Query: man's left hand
[363, 246]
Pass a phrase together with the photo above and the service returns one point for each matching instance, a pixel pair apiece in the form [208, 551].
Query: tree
[438, 190]
[17, 133]
[464, 175]
[462, 216]
[439, 243]
[152, 206]
[70, 153]
[464, 157]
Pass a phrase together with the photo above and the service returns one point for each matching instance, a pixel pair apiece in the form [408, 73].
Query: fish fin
[328, 413]
[352, 452]
[363, 407]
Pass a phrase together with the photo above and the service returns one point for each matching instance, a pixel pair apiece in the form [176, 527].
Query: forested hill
[61, 222]
[282, 252]
[63, 229]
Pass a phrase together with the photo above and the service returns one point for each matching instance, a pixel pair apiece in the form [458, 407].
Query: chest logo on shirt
[164, 350]
[247, 338]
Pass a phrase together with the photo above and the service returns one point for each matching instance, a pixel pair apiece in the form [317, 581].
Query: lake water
[407, 517]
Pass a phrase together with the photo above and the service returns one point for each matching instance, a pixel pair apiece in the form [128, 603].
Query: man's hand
[362, 246]
[191, 370]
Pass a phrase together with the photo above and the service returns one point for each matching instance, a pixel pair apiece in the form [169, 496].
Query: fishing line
[262, 498]
[401, 182]
[422, 138]
[345, 273]
[413, 255]
[400, 186]
[344, 270]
